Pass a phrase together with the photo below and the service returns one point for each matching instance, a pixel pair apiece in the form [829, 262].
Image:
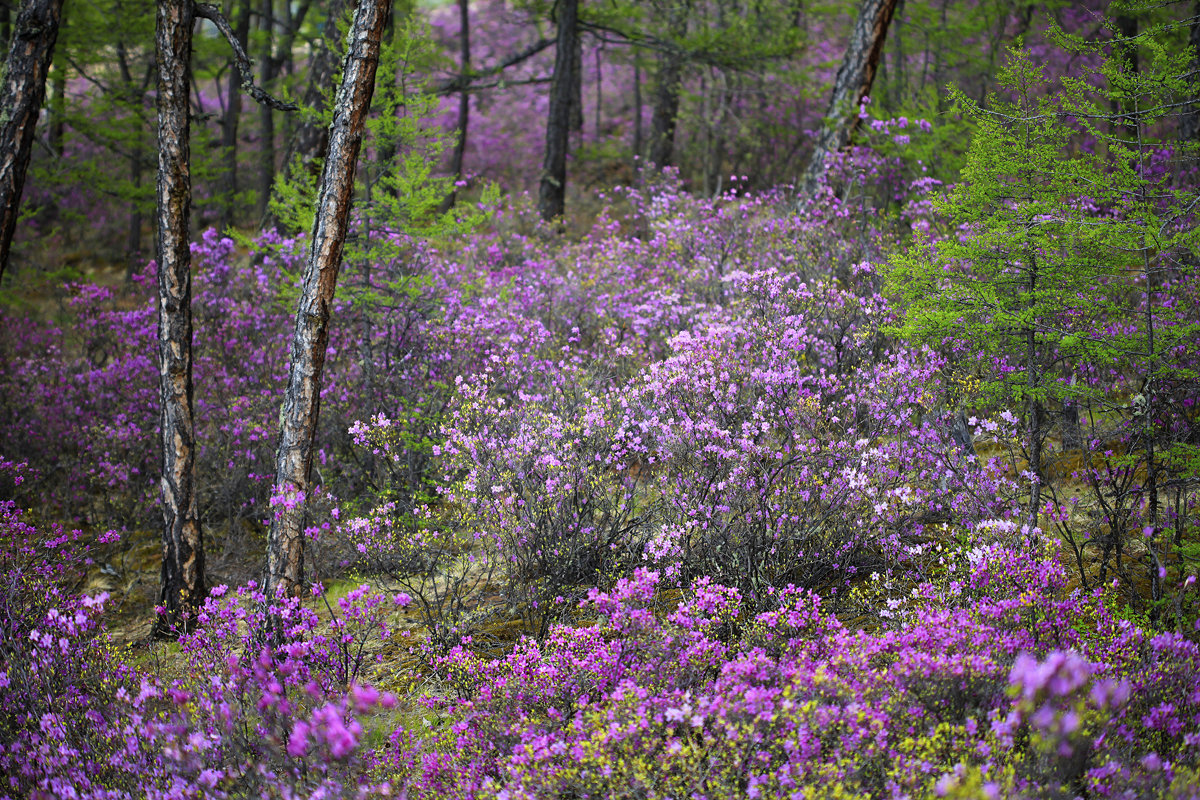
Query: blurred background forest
[742, 89]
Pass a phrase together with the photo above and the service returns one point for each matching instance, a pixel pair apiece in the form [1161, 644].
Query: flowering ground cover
[729, 513]
[888, 491]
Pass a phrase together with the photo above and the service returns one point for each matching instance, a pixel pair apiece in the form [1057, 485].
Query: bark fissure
[182, 587]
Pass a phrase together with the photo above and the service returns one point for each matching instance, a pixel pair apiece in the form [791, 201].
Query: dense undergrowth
[726, 497]
[754, 542]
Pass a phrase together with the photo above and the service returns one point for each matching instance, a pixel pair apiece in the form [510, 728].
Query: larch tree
[21, 95]
[1057, 266]
[302, 398]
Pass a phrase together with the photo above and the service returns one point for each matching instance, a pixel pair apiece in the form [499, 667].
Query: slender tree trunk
[183, 581]
[553, 190]
[266, 175]
[637, 110]
[301, 403]
[852, 84]
[229, 127]
[1033, 402]
[311, 140]
[58, 111]
[21, 95]
[599, 88]
[58, 99]
[135, 95]
[666, 110]
[464, 101]
[285, 62]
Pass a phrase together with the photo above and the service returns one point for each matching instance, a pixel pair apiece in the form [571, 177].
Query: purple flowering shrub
[81, 720]
[706, 698]
[759, 546]
[251, 717]
[779, 443]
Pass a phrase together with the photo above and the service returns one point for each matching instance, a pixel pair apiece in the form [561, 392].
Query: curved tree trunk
[301, 402]
[183, 583]
[852, 84]
[553, 189]
[21, 95]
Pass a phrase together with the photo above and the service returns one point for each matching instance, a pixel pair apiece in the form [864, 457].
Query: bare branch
[461, 82]
[214, 15]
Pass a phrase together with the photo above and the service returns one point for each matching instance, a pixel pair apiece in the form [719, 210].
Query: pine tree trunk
[21, 95]
[183, 581]
[852, 84]
[553, 190]
[301, 403]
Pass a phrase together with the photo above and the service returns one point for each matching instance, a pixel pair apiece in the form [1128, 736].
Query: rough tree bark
[301, 402]
[553, 190]
[853, 82]
[21, 95]
[183, 582]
